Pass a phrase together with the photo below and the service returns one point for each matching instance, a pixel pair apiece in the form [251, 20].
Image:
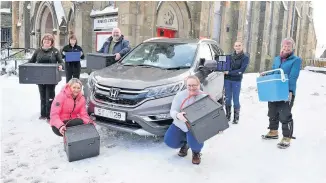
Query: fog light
[162, 116]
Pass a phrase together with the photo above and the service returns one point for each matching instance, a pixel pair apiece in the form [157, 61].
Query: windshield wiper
[176, 68]
[147, 65]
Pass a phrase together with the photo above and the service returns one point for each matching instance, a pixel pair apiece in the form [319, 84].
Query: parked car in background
[135, 95]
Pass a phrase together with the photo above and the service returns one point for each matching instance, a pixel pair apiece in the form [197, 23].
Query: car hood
[138, 77]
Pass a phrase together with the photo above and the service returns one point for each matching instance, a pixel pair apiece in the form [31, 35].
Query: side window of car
[205, 52]
[216, 50]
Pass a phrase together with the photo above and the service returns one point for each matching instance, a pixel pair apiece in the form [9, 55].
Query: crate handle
[281, 70]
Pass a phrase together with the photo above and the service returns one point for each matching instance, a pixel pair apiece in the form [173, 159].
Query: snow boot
[236, 116]
[285, 143]
[228, 112]
[196, 158]
[184, 150]
[272, 134]
[42, 118]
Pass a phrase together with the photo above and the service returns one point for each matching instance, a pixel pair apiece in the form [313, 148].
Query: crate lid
[200, 108]
[81, 132]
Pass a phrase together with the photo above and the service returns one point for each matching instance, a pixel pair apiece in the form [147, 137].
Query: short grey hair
[75, 80]
[289, 40]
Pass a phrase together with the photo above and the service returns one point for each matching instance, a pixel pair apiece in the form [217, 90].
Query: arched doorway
[173, 19]
[46, 22]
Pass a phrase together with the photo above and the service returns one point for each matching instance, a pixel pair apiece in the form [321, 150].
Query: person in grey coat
[116, 44]
[178, 135]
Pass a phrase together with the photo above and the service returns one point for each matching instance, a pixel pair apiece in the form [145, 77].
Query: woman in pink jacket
[69, 108]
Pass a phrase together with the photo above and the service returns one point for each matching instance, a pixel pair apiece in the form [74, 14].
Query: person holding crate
[69, 108]
[47, 54]
[72, 66]
[116, 44]
[178, 135]
[280, 111]
[232, 81]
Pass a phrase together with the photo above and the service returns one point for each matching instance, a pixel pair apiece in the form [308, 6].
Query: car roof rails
[154, 38]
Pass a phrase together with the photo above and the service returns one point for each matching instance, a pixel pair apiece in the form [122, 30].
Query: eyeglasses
[192, 86]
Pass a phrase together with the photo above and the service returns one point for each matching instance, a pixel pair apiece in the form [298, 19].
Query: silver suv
[135, 94]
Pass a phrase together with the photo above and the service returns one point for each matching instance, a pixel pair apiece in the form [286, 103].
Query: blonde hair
[75, 80]
[192, 77]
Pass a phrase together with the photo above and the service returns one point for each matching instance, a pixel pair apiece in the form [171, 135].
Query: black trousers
[72, 70]
[47, 94]
[281, 112]
[68, 123]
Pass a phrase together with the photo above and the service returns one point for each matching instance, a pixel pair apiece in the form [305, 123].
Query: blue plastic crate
[73, 56]
[273, 87]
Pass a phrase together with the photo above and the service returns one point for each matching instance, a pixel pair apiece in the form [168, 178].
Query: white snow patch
[5, 10]
[311, 68]
[32, 153]
[59, 11]
[107, 10]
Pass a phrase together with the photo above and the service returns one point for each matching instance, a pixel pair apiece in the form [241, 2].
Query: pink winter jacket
[64, 107]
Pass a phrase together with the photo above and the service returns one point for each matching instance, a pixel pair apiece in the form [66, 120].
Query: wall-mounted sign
[105, 23]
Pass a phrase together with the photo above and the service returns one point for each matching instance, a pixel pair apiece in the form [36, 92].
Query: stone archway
[71, 21]
[174, 16]
[45, 21]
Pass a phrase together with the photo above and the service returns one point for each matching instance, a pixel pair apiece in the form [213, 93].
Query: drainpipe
[217, 21]
[292, 24]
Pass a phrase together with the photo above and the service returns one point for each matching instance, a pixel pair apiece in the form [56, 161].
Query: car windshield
[162, 55]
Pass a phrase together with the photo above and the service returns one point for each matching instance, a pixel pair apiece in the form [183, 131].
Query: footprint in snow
[22, 165]
[9, 181]
[315, 94]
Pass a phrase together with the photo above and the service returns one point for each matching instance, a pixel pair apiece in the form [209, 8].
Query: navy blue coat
[122, 46]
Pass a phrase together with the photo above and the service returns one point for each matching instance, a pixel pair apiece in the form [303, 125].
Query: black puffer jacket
[46, 56]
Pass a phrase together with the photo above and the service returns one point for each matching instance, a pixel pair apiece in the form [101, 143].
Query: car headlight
[91, 80]
[164, 91]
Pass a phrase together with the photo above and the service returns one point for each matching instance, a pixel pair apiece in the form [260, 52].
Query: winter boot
[184, 150]
[228, 112]
[236, 116]
[285, 143]
[196, 159]
[42, 118]
[272, 134]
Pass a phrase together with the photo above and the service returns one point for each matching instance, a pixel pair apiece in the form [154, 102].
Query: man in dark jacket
[116, 44]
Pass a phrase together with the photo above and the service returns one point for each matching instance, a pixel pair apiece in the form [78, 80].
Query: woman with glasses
[178, 135]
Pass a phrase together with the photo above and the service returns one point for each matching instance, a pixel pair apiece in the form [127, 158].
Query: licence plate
[110, 114]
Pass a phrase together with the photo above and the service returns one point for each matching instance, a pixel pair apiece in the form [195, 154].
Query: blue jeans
[232, 91]
[176, 138]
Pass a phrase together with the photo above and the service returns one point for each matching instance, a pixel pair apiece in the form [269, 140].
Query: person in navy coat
[116, 44]
[233, 79]
[281, 111]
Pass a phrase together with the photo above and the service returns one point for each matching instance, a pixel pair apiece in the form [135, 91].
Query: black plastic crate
[81, 142]
[206, 118]
[35, 73]
[99, 60]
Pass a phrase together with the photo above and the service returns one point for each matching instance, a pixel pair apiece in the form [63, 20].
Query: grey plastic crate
[81, 142]
[206, 118]
[35, 73]
[99, 60]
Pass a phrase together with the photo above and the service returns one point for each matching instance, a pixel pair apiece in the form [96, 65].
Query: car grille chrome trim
[121, 91]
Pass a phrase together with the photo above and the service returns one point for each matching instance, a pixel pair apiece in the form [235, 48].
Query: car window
[205, 52]
[216, 50]
[164, 55]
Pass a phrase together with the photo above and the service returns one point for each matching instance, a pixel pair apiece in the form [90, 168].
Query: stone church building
[259, 25]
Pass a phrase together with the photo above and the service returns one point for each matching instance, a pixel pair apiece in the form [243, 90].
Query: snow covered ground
[30, 152]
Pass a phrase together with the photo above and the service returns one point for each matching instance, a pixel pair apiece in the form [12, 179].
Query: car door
[206, 78]
[218, 81]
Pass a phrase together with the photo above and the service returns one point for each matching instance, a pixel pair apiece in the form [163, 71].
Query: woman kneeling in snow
[178, 135]
[69, 108]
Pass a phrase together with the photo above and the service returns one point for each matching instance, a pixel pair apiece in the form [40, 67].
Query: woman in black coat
[47, 54]
[72, 68]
